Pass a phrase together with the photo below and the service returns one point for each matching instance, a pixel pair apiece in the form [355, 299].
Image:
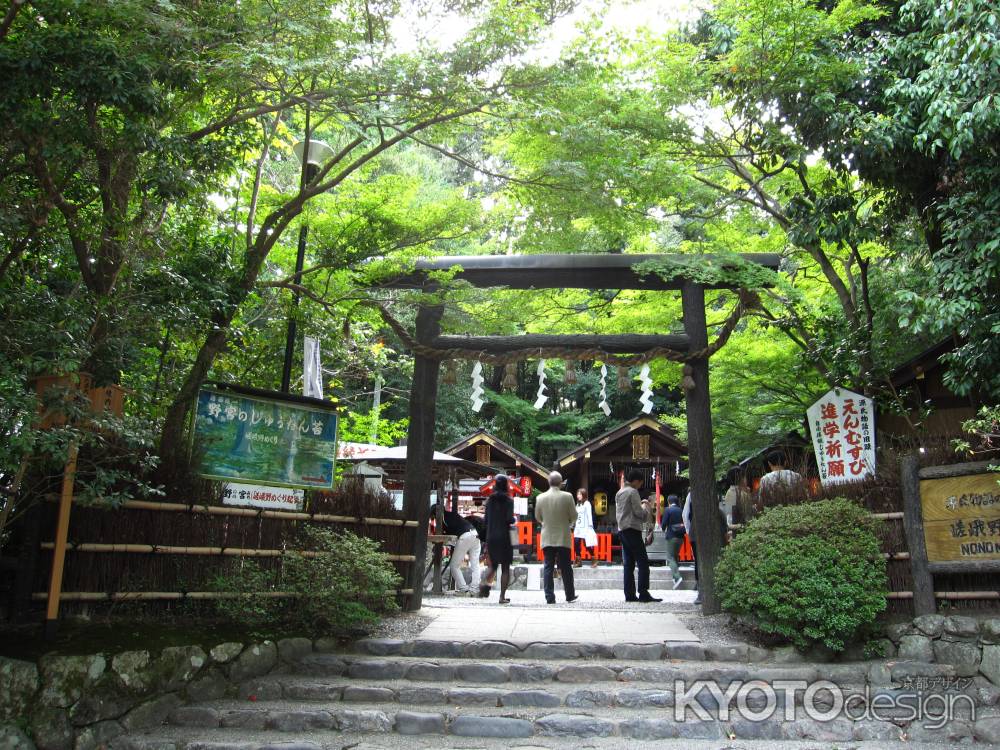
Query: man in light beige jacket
[556, 511]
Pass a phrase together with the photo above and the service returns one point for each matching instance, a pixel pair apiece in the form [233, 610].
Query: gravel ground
[403, 626]
[716, 630]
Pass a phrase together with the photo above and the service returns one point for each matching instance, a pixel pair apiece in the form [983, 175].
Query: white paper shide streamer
[604, 391]
[541, 397]
[477, 387]
[312, 371]
[646, 397]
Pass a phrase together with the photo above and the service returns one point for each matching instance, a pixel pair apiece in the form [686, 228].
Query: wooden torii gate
[563, 272]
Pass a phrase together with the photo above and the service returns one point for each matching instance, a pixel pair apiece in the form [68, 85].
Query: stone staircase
[497, 694]
[609, 577]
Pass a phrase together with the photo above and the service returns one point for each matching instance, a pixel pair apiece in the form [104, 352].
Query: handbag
[515, 539]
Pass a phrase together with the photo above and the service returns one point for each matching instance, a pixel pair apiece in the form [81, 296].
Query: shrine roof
[482, 436]
[617, 436]
[379, 455]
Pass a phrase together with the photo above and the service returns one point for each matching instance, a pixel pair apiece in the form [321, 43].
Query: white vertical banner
[843, 432]
[312, 369]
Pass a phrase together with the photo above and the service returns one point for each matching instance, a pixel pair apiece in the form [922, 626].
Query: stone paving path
[607, 599]
[552, 623]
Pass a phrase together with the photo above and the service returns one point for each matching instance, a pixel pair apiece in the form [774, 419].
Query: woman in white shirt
[584, 529]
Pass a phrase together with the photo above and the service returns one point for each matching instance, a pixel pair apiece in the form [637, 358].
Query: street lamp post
[311, 154]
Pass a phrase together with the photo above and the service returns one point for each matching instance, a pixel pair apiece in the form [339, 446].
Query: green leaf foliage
[808, 574]
[341, 589]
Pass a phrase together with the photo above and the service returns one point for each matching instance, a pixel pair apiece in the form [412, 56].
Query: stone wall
[83, 702]
[971, 645]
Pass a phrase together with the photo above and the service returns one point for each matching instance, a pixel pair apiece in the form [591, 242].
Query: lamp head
[319, 151]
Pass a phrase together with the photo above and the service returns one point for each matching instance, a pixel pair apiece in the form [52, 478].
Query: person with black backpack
[672, 524]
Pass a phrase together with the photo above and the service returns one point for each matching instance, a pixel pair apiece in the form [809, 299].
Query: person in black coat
[499, 519]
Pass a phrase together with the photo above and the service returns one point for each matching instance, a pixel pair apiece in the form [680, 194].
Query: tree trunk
[173, 446]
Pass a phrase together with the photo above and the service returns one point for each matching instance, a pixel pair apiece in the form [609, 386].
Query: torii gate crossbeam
[610, 271]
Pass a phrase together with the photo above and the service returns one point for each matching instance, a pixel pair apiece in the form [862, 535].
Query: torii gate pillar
[420, 449]
[705, 508]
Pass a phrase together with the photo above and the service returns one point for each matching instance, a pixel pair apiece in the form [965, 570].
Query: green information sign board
[264, 440]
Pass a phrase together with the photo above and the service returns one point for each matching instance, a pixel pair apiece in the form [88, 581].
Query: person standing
[584, 530]
[780, 483]
[738, 497]
[555, 510]
[631, 512]
[674, 529]
[499, 519]
[738, 501]
[467, 544]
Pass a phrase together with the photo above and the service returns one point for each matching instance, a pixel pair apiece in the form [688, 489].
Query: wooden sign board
[961, 518]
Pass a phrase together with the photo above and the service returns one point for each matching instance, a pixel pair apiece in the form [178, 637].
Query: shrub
[811, 573]
[345, 587]
[248, 606]
[342, 586]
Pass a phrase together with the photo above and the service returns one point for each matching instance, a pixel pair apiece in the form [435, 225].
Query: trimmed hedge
[810, 573]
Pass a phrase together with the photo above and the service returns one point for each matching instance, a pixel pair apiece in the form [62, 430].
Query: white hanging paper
[541, 397]
[604, 391]
[646, 397]
[312, 371]
[477, 387]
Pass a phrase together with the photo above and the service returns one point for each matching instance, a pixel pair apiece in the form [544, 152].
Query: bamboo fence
[158, 553]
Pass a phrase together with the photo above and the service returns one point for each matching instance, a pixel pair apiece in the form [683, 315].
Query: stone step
[688, 650]
[659, 577]
[625, 694]
[616, 573]
[484, 721]
[273, 692]
[630, 668]
[172, 738]
[592, 579]
[616, 585]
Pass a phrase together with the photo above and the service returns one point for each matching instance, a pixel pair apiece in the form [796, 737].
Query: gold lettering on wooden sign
[961, 518]
[483, 454]
[640, 447]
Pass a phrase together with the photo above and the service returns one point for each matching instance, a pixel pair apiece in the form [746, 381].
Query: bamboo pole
[894, 516]
[157, 549]
[967, 595]
[952, 595]
[225, 510]
[124, 596]
[62, 532]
